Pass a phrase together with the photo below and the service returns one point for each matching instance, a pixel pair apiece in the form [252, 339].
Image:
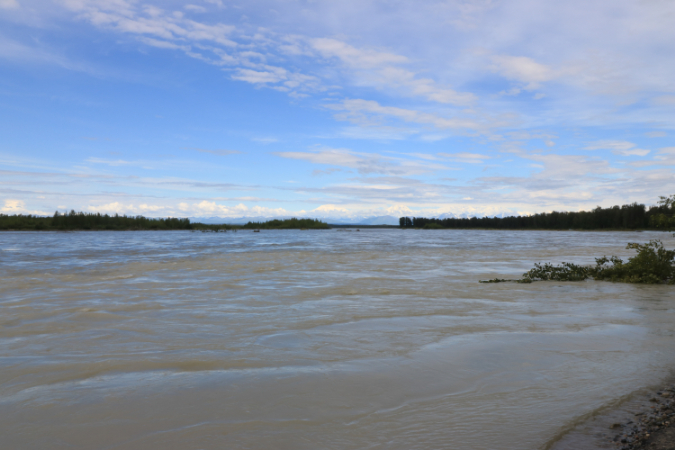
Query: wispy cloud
[367, 113]
[523, 69]
[382, 70]
[465, 157]
[632, 152]
[9, 4]
[622, 148]
[265, 140]
[117, 162]
[610, 145]
[364, 163]
[214, 152]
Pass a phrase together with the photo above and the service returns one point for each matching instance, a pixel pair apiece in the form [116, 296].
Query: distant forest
[288, 224]
[626, 217]
[96, 221]
[90, 221]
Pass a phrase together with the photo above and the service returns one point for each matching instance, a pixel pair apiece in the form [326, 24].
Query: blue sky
[335, 109]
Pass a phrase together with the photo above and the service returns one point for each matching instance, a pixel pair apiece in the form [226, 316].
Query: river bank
[641, 420]
[652, 427]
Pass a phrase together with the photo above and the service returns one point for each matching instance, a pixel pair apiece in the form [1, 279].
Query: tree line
[632, 216]
[90, 221]
[97, 221]
[287, 224]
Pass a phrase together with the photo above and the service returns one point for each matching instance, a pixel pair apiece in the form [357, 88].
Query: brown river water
[378, 339]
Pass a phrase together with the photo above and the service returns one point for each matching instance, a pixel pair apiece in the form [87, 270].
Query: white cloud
[214, 152]
[610, 145]
[364, 163]
[621, 148]
[666, 100]
[423, 87]
[408, 73]
[336, 157]
[163, 44]
[13, 207]
[567, 167]
[357, 58]
[398, 211]
[9, 4]
[120, 208]
[256, 77]
[195, 8]
[204, 208]
[119, 162]
[380, 70]
[523, 69]
[330, 209]
[218, 3]
[633, 152]
[586, 50]
[368, 113]
[265, 140]
[465, 157]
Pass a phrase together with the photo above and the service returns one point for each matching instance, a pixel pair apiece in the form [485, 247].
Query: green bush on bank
[653, 264]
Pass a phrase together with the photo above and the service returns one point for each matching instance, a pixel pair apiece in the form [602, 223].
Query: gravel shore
[652, 429]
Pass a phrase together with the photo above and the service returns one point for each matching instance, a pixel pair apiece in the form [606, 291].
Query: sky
[335, 109]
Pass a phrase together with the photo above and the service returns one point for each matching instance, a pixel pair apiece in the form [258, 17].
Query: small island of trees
[288, 224]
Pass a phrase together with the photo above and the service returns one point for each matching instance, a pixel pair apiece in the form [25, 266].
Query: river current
[331, 339]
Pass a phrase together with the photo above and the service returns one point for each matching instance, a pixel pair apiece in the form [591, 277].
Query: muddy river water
[377, 339]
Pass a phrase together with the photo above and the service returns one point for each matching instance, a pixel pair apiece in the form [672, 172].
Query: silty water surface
[378, 339]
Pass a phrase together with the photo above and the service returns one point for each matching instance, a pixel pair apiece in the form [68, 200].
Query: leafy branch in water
[653, 264]
[501, 280]
[563, 272]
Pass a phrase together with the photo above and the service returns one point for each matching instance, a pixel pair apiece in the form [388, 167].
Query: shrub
[652, 264]
[563, 272]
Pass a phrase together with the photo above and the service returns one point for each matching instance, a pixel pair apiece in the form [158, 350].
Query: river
[317, 339]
